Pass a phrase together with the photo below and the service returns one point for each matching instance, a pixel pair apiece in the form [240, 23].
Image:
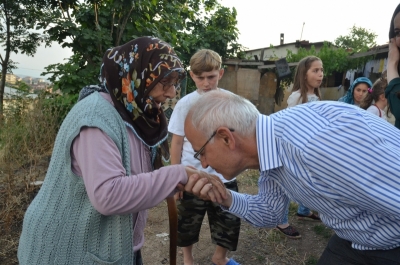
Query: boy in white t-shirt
[205, 70]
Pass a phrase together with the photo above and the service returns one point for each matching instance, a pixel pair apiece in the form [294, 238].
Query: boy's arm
[176, 149]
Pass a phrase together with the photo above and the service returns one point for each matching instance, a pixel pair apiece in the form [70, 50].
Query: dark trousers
[138, 258]
[340, 252]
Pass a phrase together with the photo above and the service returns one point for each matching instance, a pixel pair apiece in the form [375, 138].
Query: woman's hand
[393, 60]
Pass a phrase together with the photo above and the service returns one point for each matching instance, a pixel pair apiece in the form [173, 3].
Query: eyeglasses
[197, 155]
[169, 85]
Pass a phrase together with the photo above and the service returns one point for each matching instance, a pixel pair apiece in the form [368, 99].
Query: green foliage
[312, 260]
[323, 231]
[358, 40]
[89, 28]
[59, 105]
[18, 33]
[21, 86]
[336, 58]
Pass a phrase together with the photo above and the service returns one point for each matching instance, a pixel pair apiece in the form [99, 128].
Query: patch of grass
[249, 177]
[311, 261]
[27, 134]
[323, 231]
[293, 208]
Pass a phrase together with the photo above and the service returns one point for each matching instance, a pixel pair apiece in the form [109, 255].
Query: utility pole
[302, 31]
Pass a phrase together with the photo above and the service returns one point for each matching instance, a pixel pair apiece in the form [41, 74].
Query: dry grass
[27, 135]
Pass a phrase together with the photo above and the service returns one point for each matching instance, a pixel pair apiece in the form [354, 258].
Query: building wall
[251, 84]
[279, 51]
[11, 79]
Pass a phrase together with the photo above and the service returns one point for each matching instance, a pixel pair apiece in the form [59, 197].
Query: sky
[260, 23]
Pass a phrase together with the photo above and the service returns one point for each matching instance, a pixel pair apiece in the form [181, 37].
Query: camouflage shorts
[224, 226]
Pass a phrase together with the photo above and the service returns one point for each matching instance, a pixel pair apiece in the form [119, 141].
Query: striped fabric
[334, 158]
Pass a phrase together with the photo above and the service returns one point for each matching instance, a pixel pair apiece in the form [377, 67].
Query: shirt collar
[266, 144]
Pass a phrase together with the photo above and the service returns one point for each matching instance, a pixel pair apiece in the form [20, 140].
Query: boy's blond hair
[205, 60]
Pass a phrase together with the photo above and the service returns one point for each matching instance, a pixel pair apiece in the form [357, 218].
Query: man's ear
[226, 135]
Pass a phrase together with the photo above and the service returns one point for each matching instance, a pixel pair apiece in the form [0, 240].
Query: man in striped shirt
[329, 156]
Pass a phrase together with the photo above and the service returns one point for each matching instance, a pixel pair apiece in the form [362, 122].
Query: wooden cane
[173, 229]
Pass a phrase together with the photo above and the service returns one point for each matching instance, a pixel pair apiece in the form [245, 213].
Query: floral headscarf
[348, 98]
[130, 72]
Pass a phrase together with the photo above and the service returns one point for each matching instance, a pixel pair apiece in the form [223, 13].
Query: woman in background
[357, 91]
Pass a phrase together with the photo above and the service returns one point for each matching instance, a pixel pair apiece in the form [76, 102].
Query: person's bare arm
[176, 149]
[393, 61]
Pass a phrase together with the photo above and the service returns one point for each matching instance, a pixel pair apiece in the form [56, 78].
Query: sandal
[311, 217]
[289, 231]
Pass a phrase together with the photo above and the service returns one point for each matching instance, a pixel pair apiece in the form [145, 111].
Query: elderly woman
[92, 206]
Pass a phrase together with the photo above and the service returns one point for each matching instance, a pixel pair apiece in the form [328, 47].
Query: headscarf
[130, 72]
[348, 98]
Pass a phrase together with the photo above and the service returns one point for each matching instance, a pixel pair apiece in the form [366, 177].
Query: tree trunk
[5, 60]
[2, 85]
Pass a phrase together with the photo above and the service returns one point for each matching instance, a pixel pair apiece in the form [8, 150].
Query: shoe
[231, 262]
[289, 231]
[311, 217]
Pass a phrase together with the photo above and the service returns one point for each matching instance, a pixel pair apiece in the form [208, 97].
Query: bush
[27, 135]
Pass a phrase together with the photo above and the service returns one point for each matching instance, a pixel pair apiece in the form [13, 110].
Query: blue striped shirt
[334, 158]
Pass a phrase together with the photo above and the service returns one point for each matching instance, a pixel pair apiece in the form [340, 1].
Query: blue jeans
[300, 210]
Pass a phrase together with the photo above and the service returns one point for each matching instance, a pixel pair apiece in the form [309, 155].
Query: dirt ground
[257, 246]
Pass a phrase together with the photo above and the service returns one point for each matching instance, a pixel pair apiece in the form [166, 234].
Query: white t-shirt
[294, 98]
[375, 110]
[176, 126]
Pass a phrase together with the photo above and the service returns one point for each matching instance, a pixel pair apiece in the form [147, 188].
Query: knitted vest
[61, 226]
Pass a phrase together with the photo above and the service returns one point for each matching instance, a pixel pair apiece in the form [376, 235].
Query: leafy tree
[336, 57]
[90, 27]
[358, 40]
[18, 22]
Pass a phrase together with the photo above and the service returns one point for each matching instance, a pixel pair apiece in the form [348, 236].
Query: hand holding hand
[208, 187]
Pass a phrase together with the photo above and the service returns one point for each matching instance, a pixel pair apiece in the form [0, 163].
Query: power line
[29, 69]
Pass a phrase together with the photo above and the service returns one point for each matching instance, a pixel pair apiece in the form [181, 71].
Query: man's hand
[208, 187]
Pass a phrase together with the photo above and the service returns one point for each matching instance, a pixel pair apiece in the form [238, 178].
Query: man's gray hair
[223, 108]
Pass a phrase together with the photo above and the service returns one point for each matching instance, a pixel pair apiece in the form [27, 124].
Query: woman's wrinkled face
[165, 89]
[396, 23]
[359, 92]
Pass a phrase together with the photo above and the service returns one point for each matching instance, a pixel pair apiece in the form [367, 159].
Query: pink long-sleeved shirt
[96, 158]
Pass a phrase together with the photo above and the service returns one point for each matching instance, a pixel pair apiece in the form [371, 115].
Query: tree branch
[122, 28]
